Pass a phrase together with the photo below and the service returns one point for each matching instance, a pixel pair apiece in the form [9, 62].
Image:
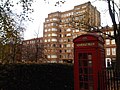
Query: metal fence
[109, 79]
[112, 79]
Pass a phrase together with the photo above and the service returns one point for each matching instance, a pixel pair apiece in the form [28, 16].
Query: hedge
[36, 77]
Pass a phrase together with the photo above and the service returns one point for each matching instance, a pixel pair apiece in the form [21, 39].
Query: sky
[43, 7]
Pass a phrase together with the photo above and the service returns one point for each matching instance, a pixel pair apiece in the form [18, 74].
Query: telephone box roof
[89, 37]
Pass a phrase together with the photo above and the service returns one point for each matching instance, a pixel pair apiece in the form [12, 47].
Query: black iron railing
[111, 79]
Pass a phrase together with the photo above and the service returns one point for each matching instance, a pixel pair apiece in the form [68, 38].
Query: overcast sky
[43, 8]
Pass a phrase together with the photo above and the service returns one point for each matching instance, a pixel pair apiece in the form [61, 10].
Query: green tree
[11, 27]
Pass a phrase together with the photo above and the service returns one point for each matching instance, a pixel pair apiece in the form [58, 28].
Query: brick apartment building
[110, 47]
[32, 50]
[60, 28]
[30, 46]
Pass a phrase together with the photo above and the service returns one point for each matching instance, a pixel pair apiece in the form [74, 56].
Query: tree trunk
[118, 52]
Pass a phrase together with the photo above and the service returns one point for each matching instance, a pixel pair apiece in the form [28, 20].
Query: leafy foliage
[57, 3]
[11, 26]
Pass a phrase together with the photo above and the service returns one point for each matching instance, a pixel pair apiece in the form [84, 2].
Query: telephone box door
[89, 62]
[86, 60]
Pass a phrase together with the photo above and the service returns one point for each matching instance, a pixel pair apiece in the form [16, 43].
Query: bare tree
[116, 28]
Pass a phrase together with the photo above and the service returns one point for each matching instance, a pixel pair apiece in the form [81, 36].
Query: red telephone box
[89, 62]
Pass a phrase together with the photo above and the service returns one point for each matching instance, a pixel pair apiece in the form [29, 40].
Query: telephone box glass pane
[80, 56]
[81, 70]
[89, 63]
[85, 63]
[85, 70]
[84, 55]
[85, 78]
[91, 78]
[90, 56]
[90, 86]
[80, 62]
[86, 86]
[83, 86]
[90, 70]
[81, 77]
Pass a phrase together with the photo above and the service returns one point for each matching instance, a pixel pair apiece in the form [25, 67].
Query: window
[48, 56]
[68, 50]
[27, 42]
[45, 35]
[112, 41]
[45, 25]
[49, 29]
[68, 45]
[54, 34]
[60, 51]
[54, 29]
[76, 18]
[83, 7]
[54, 45]
[77, 30]
[68, 40]
[77, 8]
[53, 39]
[48, 40]
[65, 40]
[112, 33]
[60, 45]
[33, 42]
[68, 29]
[113, 51]
[64, 45]
[108, 51]
[48, 24]
[69, 19]
[53, 61]
[60, 35]
[61, 40]
[53, 56]
[107, 33]
[49, 35]
[54, 19]
[45, 40]
[69, 34]
[47, 20]
[45, 30]
[53, 24]
[107, 42]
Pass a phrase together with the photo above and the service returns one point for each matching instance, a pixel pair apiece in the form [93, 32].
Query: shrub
[36, 77]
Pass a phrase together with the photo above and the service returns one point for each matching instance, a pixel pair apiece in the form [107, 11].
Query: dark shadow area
[36, 77]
